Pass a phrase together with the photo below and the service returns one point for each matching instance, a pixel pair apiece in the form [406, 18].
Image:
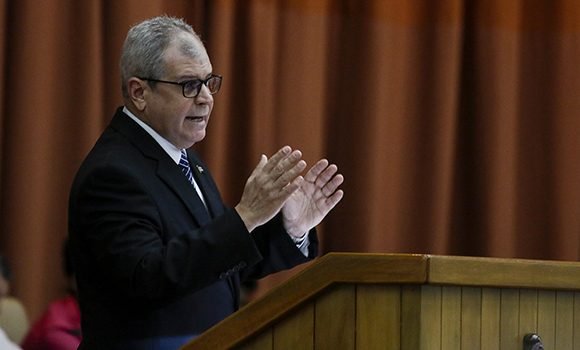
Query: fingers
[332, 185]
[313, 173]
[328, 182]
[321, 173]
[325, 177]
[333, 200]
[276, 158]
[291, 169]
[283, 168]
[293, 186]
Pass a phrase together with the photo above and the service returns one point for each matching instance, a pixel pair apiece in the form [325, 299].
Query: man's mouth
[197, 119]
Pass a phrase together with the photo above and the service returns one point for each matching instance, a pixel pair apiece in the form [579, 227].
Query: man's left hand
[313, 200]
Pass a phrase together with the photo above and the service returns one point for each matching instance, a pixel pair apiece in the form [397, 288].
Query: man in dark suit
[158, 256]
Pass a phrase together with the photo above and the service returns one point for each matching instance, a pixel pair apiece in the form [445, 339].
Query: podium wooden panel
[410, 302]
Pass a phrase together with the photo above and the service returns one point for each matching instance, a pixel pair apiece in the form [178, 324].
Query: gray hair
[145, 45]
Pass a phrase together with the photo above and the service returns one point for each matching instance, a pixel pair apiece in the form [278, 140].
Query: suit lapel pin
[199, 169]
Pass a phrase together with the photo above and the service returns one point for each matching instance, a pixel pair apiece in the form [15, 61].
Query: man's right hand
[269, 186]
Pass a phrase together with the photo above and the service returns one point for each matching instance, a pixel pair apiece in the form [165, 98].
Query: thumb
[261, 163]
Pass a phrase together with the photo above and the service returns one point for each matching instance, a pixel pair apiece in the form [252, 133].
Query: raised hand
[271, 183]
[315, 198]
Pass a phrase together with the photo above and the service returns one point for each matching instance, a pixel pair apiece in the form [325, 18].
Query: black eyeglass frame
[201, 82]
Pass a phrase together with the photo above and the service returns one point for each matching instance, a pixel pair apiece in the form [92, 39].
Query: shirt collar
[168, 147]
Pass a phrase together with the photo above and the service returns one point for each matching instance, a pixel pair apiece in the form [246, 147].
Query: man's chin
[195, 139]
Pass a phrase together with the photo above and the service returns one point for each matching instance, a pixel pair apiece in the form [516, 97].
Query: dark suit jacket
[151, 262]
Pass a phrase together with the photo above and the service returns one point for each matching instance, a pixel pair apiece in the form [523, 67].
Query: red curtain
[456, 123]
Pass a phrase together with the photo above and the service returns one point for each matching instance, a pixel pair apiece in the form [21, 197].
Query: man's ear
[137, 90]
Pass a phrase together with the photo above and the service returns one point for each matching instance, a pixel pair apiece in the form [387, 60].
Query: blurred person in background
[59, 328]
[5, 343]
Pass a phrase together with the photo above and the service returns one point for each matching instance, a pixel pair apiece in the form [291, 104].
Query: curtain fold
[456, 123]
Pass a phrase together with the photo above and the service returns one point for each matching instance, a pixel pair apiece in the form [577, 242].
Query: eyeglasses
[191, 88]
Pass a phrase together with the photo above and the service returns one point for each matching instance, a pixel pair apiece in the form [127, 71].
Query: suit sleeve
[120, 227]
[278, 250]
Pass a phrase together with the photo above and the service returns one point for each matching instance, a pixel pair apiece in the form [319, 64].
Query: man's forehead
[188, 48]
[189, 44]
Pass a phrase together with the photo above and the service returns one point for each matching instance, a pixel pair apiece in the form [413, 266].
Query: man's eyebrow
[193, 77]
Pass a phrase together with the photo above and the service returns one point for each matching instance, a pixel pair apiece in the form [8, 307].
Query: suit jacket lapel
[210, 193]
[167, 170]
[185, 190]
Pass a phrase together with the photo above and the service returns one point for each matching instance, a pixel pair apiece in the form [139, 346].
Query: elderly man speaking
[158, 256]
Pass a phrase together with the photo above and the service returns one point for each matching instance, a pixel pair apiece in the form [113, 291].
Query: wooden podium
[410, 302]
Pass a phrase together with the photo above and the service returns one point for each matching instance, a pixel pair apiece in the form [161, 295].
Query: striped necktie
[186, 169]
[184, 164]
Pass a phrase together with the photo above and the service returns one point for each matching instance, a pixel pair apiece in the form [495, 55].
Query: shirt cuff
[302, 243]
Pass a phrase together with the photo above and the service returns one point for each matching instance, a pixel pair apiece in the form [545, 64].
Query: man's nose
[204, 95]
